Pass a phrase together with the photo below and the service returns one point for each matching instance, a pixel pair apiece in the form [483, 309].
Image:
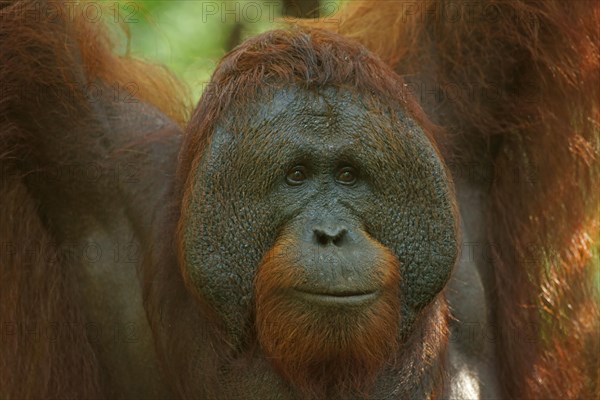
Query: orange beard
[325, 351]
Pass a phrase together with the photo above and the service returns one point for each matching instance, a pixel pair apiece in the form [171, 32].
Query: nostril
[322, 237]
[339, 238]
[325, 237]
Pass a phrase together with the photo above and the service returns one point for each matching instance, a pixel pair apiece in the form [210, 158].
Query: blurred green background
[190, 36]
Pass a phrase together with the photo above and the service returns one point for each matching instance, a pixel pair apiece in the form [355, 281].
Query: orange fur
[45, 347]
[325, 352]
[553, 53]
[542, 59]
[151, 83]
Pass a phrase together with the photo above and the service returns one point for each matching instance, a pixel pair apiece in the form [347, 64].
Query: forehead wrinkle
[323, 122]
[309, 103]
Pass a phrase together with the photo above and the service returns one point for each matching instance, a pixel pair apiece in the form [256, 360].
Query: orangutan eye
[346, 176]
[296, 176]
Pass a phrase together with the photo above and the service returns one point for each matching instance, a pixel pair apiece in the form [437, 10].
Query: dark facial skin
[343, 177]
